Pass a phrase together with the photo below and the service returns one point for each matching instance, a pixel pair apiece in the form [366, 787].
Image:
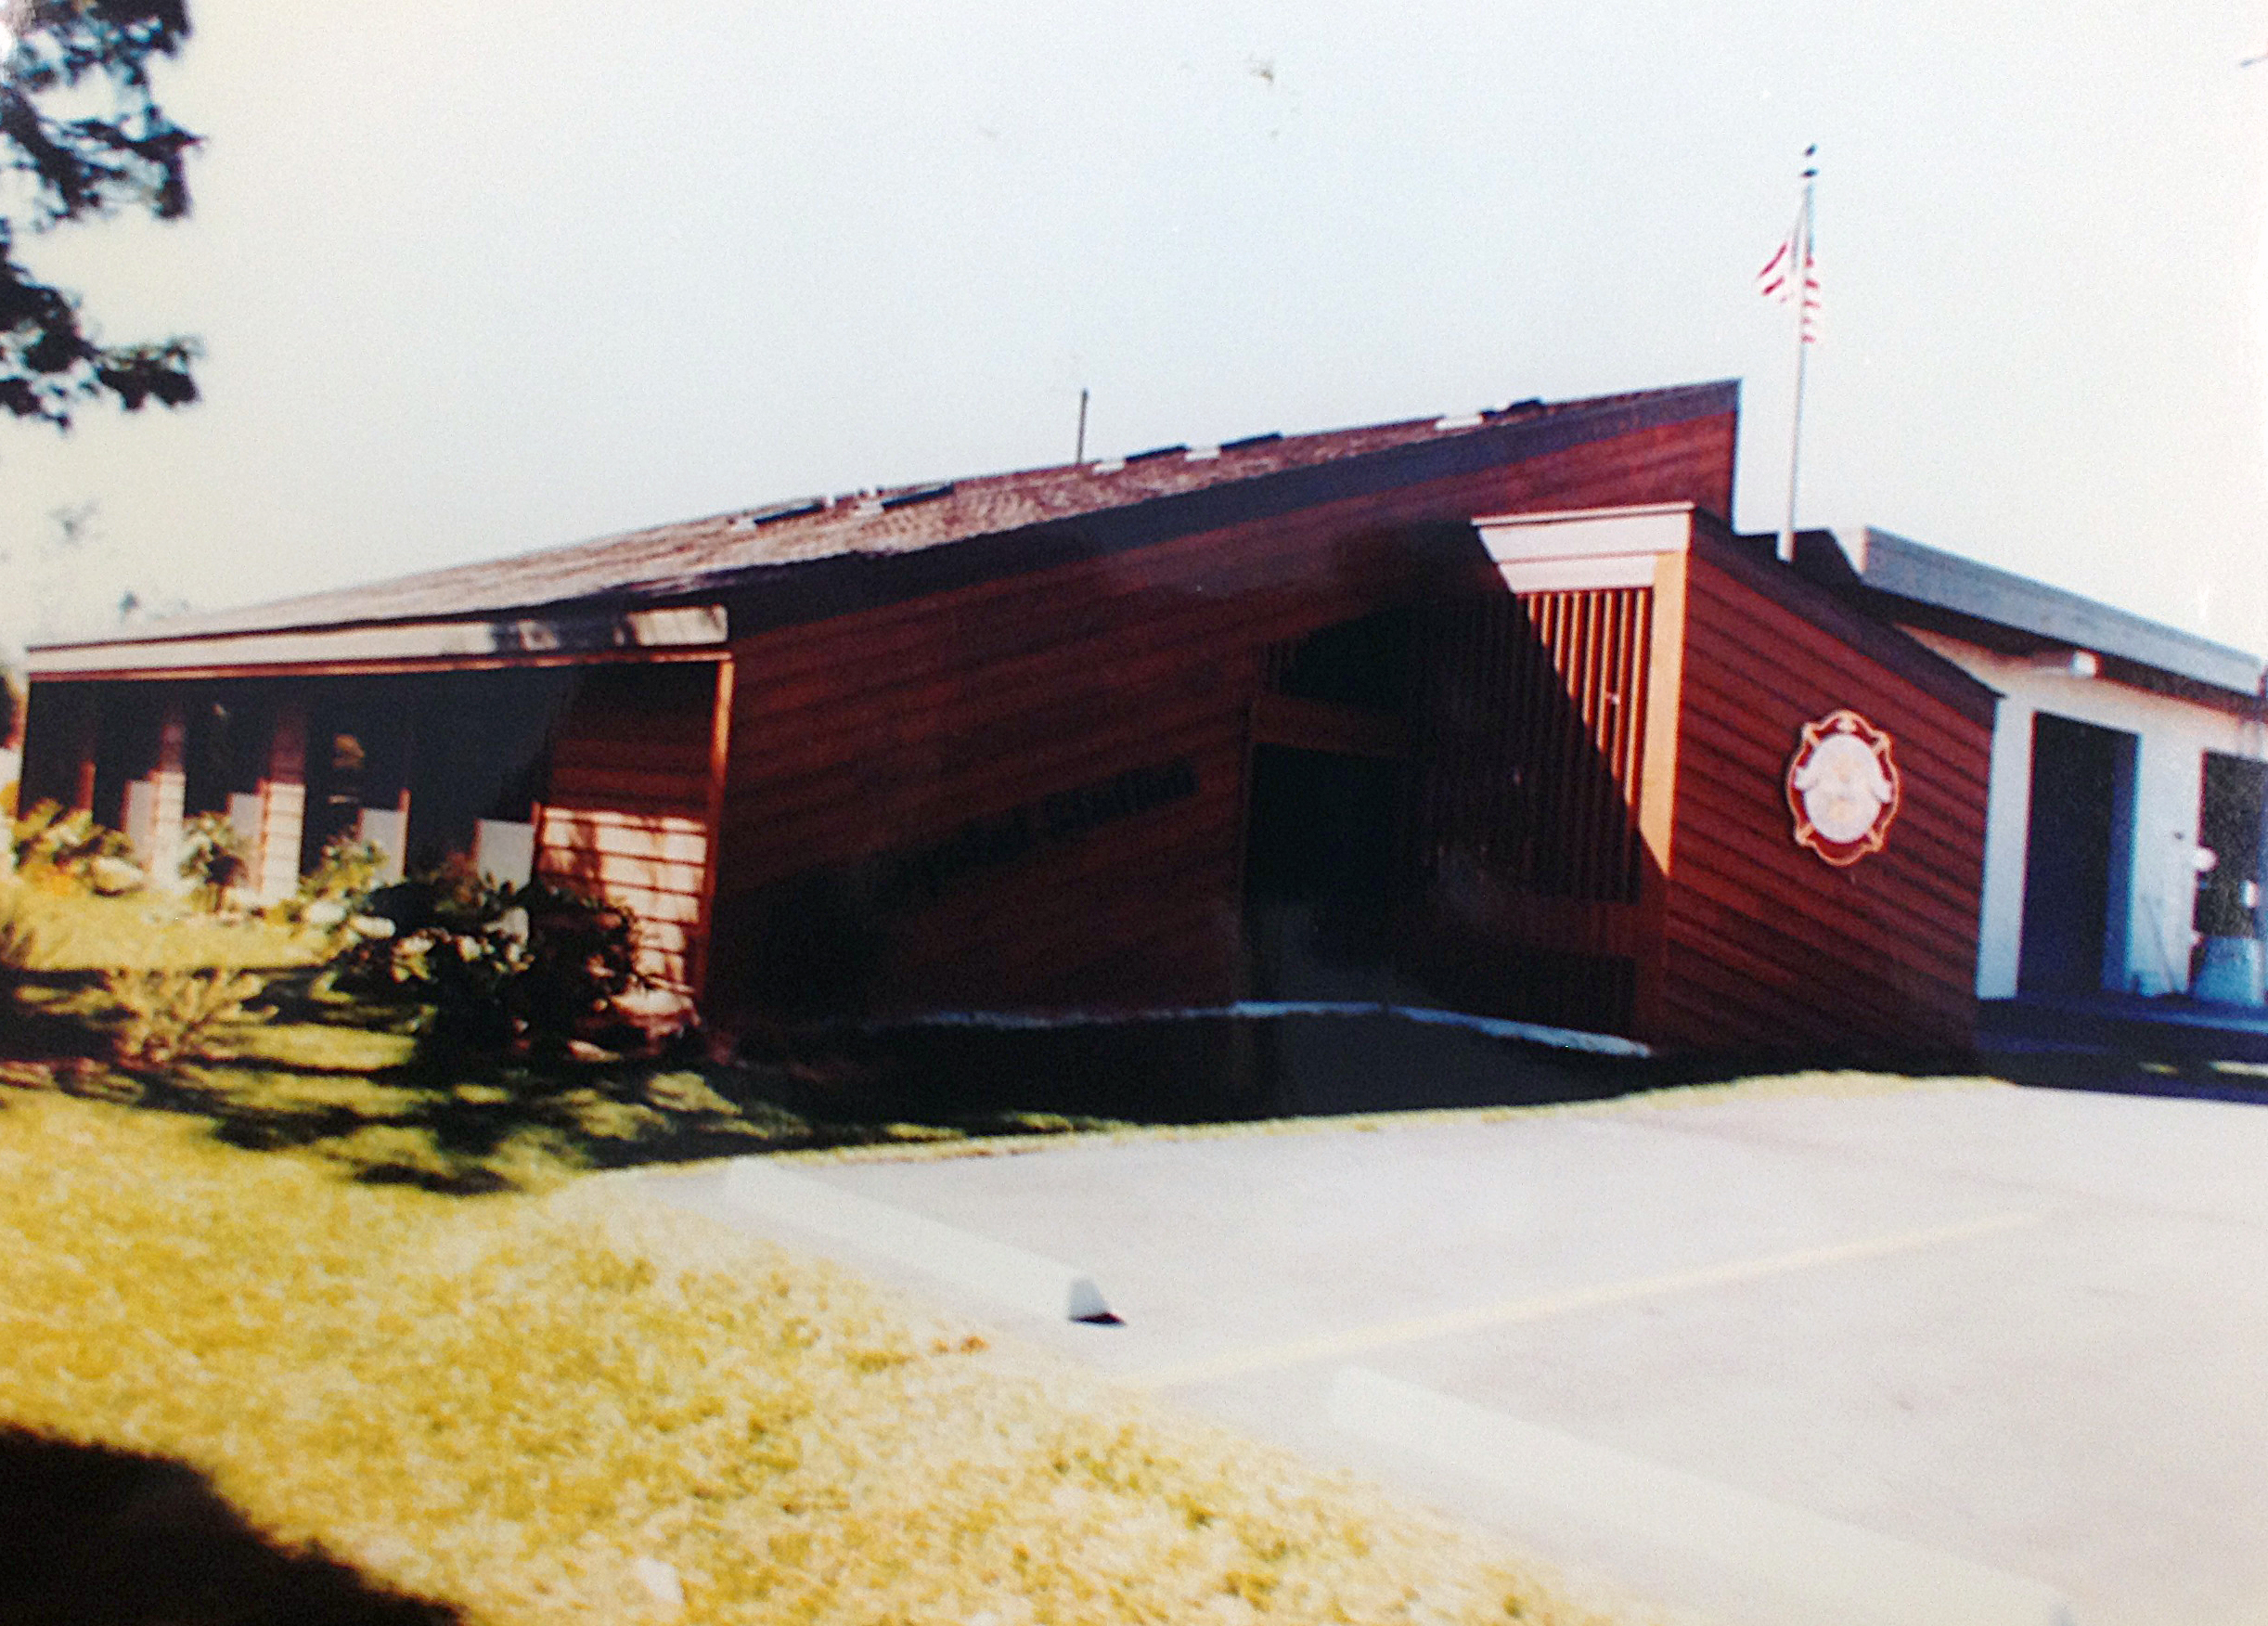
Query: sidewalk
[2015, 1331]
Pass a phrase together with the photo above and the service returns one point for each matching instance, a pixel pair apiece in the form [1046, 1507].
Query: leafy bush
[519, 969]
[70, 852]
[213, 858]
[167, 1017]
[339, 885]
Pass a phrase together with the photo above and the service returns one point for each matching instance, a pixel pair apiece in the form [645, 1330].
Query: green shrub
[213, 858]
[70, 852]
[508, 970]
[167, 1017]
[341, 881]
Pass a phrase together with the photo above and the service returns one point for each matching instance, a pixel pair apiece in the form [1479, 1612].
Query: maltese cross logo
[1843, 788]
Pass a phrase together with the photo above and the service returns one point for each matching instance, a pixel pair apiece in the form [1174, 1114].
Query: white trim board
[1587, 549]
[676, 627]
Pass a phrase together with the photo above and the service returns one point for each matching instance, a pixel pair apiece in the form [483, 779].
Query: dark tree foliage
[77, 168]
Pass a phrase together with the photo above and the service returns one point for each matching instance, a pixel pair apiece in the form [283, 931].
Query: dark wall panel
[886, 840]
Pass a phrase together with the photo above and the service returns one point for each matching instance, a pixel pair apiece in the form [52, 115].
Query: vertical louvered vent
[1537, 720]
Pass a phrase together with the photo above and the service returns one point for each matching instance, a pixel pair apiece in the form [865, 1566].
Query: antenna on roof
[1081, 455]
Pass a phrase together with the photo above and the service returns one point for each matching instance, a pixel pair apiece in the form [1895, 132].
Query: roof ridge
[898, 518]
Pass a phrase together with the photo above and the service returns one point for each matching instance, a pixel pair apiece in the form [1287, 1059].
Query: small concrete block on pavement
[994, 1271]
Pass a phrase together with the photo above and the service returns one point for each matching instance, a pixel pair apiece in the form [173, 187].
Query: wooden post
[720, 756]
[283, 804]
[1658, 781]
[168, 788]
[11, 771]
[90, 721]
[397, 860]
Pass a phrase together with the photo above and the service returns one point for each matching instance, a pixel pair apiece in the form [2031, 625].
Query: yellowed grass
[147, 931]
[509, 1404]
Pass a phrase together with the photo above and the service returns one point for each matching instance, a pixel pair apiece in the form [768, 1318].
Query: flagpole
[1799, 269]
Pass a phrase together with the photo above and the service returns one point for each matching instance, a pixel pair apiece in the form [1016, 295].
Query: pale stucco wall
[2170, 765]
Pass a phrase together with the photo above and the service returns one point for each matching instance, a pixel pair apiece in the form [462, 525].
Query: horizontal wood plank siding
[1767, 946]
[865, 745]
[1687, 462]
[625, 812]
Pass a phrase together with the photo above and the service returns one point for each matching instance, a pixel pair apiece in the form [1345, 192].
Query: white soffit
[1584, 549]
[675, 627]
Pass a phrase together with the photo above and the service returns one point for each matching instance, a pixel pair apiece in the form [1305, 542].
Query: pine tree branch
[78, 169]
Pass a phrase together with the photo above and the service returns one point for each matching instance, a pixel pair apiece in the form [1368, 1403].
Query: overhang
[1901, 570]
[510, 640]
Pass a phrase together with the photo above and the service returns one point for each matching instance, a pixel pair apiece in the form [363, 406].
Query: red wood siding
[860, 741]
[625, 812]
[1765, 944]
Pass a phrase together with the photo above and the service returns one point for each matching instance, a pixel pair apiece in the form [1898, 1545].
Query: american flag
[1777, 279]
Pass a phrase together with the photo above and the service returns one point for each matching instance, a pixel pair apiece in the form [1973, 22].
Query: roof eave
[1900, 570]
[803, 590]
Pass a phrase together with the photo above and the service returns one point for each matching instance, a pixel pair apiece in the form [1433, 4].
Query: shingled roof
[739, 548]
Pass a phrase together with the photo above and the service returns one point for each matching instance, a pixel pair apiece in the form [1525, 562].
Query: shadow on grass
[349, 1079]
[346, 1078]
[95, 1537]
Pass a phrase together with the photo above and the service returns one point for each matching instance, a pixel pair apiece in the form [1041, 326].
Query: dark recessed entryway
[1319, 874]
[2078, 858]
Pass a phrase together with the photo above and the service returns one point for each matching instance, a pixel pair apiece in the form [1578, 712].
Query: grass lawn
[146, 931]
[317, 1069]
[324, 1073]
[277, 1300]
[536, 1408]
[530, 1405]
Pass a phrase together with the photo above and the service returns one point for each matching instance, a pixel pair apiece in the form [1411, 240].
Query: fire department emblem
[1843, 788]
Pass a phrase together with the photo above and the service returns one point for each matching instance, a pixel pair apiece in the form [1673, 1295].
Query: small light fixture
[2068, 662]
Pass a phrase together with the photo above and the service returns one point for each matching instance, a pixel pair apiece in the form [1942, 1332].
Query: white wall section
[2174, 734]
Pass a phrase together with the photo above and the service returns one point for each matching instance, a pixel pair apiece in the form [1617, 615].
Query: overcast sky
[479, 279]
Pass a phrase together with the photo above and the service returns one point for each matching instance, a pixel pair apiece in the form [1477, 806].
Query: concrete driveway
[1981, 1336]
